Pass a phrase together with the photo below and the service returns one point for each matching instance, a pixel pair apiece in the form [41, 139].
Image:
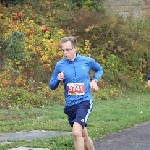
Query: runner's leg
[77, 134]
[87, 140]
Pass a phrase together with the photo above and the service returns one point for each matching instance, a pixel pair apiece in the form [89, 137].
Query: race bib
[75, 88]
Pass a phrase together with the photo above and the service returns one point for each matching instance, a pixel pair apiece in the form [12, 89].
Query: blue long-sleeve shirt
[148, 76]
[76, 78]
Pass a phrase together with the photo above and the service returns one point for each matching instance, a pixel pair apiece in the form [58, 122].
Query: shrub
[29, 45]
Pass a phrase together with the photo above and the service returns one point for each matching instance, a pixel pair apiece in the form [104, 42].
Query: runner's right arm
[54, 82]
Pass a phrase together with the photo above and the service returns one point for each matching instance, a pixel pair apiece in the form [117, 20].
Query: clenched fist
[60, 76]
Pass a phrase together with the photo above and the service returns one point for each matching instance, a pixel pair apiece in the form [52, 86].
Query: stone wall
[133, 8]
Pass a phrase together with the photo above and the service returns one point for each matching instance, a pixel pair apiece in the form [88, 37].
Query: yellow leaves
[44, 40]
[41, 42]
[87, 45]
[27, 31]
[17, 62]
[54, 53]
[46, 43]
[141, 77]
[90, 28]
[31, 21]
[15, 27]
[59, 53]
[60, 32]
[103, 61]
[1, 15]
[47, 35]
[51, 40]
[87, 30]
[38, 49]
[29, 47]
[45, 58]
[87, 42]
[21, 67]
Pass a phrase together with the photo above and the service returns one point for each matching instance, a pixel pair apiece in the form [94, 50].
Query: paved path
[36, 134]
[135, 138]
[25, 148]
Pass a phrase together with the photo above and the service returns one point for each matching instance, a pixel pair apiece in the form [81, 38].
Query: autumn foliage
[29, 45]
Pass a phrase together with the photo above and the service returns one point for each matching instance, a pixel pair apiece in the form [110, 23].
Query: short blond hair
[72, 39]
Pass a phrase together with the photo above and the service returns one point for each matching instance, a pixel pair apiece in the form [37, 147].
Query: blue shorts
[79, 112]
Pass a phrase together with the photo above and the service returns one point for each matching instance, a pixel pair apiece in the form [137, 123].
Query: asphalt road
[135, 138]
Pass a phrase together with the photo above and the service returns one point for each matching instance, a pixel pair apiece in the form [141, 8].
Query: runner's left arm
[97, 68]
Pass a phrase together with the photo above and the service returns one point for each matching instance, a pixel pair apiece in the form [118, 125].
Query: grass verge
[107, 117]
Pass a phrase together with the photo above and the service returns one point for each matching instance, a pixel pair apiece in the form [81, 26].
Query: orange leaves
[48, 2]
[29, 32]
[18, 16]
[5, 82]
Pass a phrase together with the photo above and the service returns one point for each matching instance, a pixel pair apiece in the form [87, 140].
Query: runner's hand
[93, 85]
[60, 76]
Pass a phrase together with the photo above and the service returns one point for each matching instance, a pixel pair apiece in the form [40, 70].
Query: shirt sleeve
[54, 82]
[148, 76]
[97, 68]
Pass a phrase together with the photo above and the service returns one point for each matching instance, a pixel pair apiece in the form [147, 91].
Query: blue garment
[148, 76]
[76, 71]
[79, 113]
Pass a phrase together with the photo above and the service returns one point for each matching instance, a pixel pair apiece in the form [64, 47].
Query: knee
[77, 134]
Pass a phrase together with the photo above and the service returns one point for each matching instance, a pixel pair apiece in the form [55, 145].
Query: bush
[29, 97]
[29, 46]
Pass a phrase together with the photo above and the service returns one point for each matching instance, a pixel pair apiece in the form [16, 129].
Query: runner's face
[68, 50]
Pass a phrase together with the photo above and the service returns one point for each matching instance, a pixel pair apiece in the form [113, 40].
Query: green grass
[107, 117]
